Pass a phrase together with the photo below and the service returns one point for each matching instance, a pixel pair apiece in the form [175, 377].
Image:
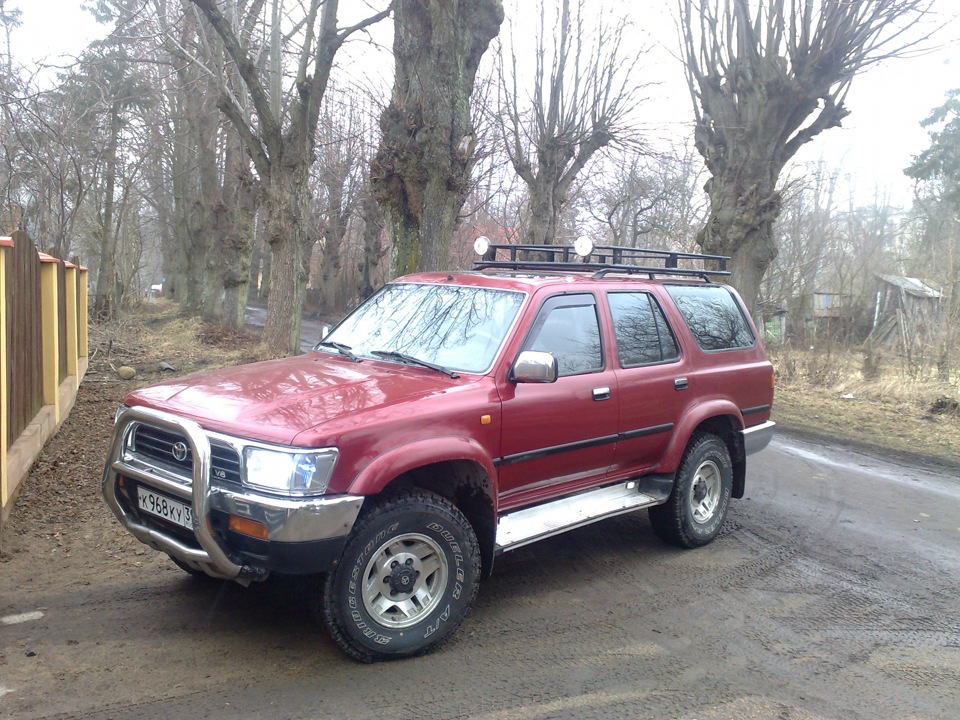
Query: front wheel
[406, 580]
[697, 506]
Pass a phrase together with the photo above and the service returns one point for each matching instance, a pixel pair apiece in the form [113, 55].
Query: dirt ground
[59, 511]
[61, 542]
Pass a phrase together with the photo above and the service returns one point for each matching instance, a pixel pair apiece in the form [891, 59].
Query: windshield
[454, 327]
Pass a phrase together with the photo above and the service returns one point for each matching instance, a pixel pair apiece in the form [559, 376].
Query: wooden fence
[43, 353]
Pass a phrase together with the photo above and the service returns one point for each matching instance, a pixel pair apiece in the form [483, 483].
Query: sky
[876, 142]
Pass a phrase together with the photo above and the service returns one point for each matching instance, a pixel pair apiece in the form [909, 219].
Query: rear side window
[713, 316]
[642, 333]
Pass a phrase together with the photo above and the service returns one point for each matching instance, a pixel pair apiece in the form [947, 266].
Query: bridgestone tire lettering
[430, 525]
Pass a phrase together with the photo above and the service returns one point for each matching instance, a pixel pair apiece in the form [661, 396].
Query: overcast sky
[878, 139]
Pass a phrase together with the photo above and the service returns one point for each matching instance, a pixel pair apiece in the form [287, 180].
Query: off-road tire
[406, 580]
[697, 506]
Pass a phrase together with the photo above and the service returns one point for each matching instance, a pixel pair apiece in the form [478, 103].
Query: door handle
[680, 383]
[601, 393]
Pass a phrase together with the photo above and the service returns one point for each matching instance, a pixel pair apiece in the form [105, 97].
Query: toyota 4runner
[448, 419]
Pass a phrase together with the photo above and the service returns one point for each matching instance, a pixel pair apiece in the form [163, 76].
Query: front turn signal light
[246, 526]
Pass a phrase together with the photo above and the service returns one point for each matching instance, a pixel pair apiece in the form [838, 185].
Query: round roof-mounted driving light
[583, 246]
[481, 245]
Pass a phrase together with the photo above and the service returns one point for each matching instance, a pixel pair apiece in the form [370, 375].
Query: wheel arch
[454, 468]
[721, 418]
[727, 428]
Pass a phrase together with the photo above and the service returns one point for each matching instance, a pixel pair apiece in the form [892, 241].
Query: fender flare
[697, 415]
[410, 456]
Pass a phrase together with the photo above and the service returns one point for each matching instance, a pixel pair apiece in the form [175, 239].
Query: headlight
[288, 472]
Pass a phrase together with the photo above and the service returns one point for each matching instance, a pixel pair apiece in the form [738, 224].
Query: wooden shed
[908, 315]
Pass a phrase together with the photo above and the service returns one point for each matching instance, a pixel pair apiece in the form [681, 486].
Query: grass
[826, 395]
[158, 332]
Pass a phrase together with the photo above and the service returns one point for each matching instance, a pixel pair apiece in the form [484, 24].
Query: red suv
[450, 418]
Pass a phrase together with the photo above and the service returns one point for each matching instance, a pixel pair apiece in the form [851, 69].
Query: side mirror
[534, 367]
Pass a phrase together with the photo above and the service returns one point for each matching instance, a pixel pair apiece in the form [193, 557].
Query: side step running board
[528, 525]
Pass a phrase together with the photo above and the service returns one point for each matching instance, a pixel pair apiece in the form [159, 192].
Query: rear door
[561, 436]
[650, 370]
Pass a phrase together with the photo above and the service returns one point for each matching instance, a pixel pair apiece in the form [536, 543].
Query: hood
[274, 401]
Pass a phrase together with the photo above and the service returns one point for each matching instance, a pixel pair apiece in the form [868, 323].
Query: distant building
[908, 315]
[827, 314]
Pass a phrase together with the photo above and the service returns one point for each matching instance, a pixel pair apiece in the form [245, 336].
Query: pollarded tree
[766, 78]
[421, 173]
[583, 90]
[212, 191]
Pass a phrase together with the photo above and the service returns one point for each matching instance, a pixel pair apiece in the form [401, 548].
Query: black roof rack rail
[603, 260]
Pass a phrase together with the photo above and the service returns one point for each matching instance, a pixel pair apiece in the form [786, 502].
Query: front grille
[155, 444]
[224, 464]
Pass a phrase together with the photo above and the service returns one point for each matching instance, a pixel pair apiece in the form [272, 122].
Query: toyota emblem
[179, 450]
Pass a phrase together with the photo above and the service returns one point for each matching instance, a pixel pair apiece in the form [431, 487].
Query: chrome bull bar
[212, 558]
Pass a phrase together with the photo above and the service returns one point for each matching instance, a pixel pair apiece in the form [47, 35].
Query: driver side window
[567, 328]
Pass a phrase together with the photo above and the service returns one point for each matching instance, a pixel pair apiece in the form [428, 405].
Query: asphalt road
[832, 593]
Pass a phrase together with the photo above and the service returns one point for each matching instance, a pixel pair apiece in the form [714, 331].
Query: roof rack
[602, 259]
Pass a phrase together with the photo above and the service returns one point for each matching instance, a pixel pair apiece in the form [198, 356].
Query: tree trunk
[209, 208]
[236, 233]
[421, 172]
[543, 219]
[330, 263]
[741, 227]
[373, 250]
[285, 199]
[105, 304]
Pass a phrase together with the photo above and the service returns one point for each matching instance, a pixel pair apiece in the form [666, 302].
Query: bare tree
[280, 140]
[421, 173]
[342, 155]
[52, 135]
[804, 232]
[583, 91]
[640, 199]
[766, 78]
[114, 92]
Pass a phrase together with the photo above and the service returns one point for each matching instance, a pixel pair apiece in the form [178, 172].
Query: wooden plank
[24, 342]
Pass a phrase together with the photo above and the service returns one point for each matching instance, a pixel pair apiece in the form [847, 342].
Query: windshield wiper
[340, 348]
[411, 360]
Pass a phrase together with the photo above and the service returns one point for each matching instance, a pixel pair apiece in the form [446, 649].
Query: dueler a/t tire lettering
[697, 506]
[406, 579]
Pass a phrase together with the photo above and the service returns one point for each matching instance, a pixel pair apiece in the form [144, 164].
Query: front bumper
[302, 534]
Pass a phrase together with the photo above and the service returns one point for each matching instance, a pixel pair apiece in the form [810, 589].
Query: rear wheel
[697, 506]
[406, 580]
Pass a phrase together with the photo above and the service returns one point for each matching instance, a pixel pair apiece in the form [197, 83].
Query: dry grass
[157, 332]
[825, 394]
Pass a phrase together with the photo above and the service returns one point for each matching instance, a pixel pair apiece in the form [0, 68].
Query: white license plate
[163, 507]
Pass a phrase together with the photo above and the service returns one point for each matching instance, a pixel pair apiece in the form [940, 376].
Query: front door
[560, 436]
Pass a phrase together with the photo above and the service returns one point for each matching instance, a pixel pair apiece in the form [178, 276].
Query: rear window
[713, 316]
